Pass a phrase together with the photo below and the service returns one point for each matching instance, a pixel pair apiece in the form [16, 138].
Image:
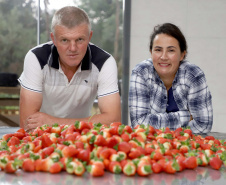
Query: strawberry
[171, 166]
[126, 137]
[55, 168]
[156, 167]
[114, 167]
[84, 155]
[69, 151]
[144, 169]
[127, 129]
[180, 160]
[4, 159]
[13, 141]
[128, 168]
[5, 137]
[95, 170]
[215, 163]
[115, 124]
[124, 146]
[98, 140]
[149, 148]
[75, 167]
[47, 151]
[12, 166]
[28, 165]
[80, 125]
[156, 155]
[111, 142]
[191, 162]
[19, 135]
[56, 129]
[46, 141]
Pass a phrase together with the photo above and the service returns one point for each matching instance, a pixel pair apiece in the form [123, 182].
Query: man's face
[71, 44]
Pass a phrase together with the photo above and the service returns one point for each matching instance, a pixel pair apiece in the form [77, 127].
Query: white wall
[203, 23]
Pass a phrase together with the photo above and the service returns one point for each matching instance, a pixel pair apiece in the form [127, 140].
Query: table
[201, 175]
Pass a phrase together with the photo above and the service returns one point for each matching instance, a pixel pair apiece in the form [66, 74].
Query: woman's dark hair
[171, 30]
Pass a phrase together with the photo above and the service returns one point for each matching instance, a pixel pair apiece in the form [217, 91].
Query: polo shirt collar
[86, 61]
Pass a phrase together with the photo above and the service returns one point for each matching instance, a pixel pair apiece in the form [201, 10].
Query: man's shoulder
[99, 56]
[43, 52]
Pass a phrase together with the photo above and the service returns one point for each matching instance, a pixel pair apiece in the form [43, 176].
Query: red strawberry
[95, 170]
[69, 151]
[46, 141]
[180, 160]
[111, 142]
[124, 146]
[171, 166]
[80, 125]
[28, 165]
[215, 163]
[47, 151]
[127, 129]
[84, 155]
[156, 155]
[5, 137]
[156, 167]
[13, 141]
[10, 167]
[114, 167]
[125, 137]
[55, 168]
[191, 162]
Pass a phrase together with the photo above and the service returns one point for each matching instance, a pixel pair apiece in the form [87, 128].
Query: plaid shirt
[148, 98]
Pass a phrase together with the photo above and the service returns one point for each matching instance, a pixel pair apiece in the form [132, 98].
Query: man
[62, 78]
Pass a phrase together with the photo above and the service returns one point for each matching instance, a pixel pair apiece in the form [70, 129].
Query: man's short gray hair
[70, 16]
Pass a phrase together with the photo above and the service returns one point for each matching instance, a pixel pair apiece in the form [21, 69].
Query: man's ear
[90, 35]
[52, 37]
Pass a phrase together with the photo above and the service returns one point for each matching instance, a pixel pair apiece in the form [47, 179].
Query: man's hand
[38, 119]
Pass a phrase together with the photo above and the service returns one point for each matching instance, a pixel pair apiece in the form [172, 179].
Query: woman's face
[166, 55]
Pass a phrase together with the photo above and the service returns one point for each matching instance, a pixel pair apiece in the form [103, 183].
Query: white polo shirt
[96, 76]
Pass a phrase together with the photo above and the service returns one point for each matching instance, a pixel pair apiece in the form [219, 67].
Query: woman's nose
[164, 55]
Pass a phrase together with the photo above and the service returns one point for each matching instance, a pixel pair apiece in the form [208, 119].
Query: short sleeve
[32, 75]
[108, 78]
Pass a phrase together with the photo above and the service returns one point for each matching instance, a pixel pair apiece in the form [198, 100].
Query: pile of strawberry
[117, 148]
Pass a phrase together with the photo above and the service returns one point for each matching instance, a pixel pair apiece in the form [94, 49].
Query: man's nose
[73, 46]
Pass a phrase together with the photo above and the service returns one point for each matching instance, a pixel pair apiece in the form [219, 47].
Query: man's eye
[171, 50]
[80, 40]
[64, 40]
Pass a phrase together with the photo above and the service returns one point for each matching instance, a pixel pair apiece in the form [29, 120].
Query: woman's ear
[183, 54]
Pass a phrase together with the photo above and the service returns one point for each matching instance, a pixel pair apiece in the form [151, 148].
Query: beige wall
[203, 23]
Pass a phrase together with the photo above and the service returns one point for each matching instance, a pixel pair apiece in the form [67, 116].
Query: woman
[167, 90]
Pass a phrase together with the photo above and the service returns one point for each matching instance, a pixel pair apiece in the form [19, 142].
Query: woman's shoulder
[145, 65]
[190, 69]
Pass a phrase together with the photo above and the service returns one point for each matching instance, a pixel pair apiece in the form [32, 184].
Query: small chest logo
[86, 81]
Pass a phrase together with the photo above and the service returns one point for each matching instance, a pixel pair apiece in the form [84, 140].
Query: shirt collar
[54, 59]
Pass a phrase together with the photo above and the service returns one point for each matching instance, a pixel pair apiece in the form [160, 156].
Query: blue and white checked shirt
[148, 98]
